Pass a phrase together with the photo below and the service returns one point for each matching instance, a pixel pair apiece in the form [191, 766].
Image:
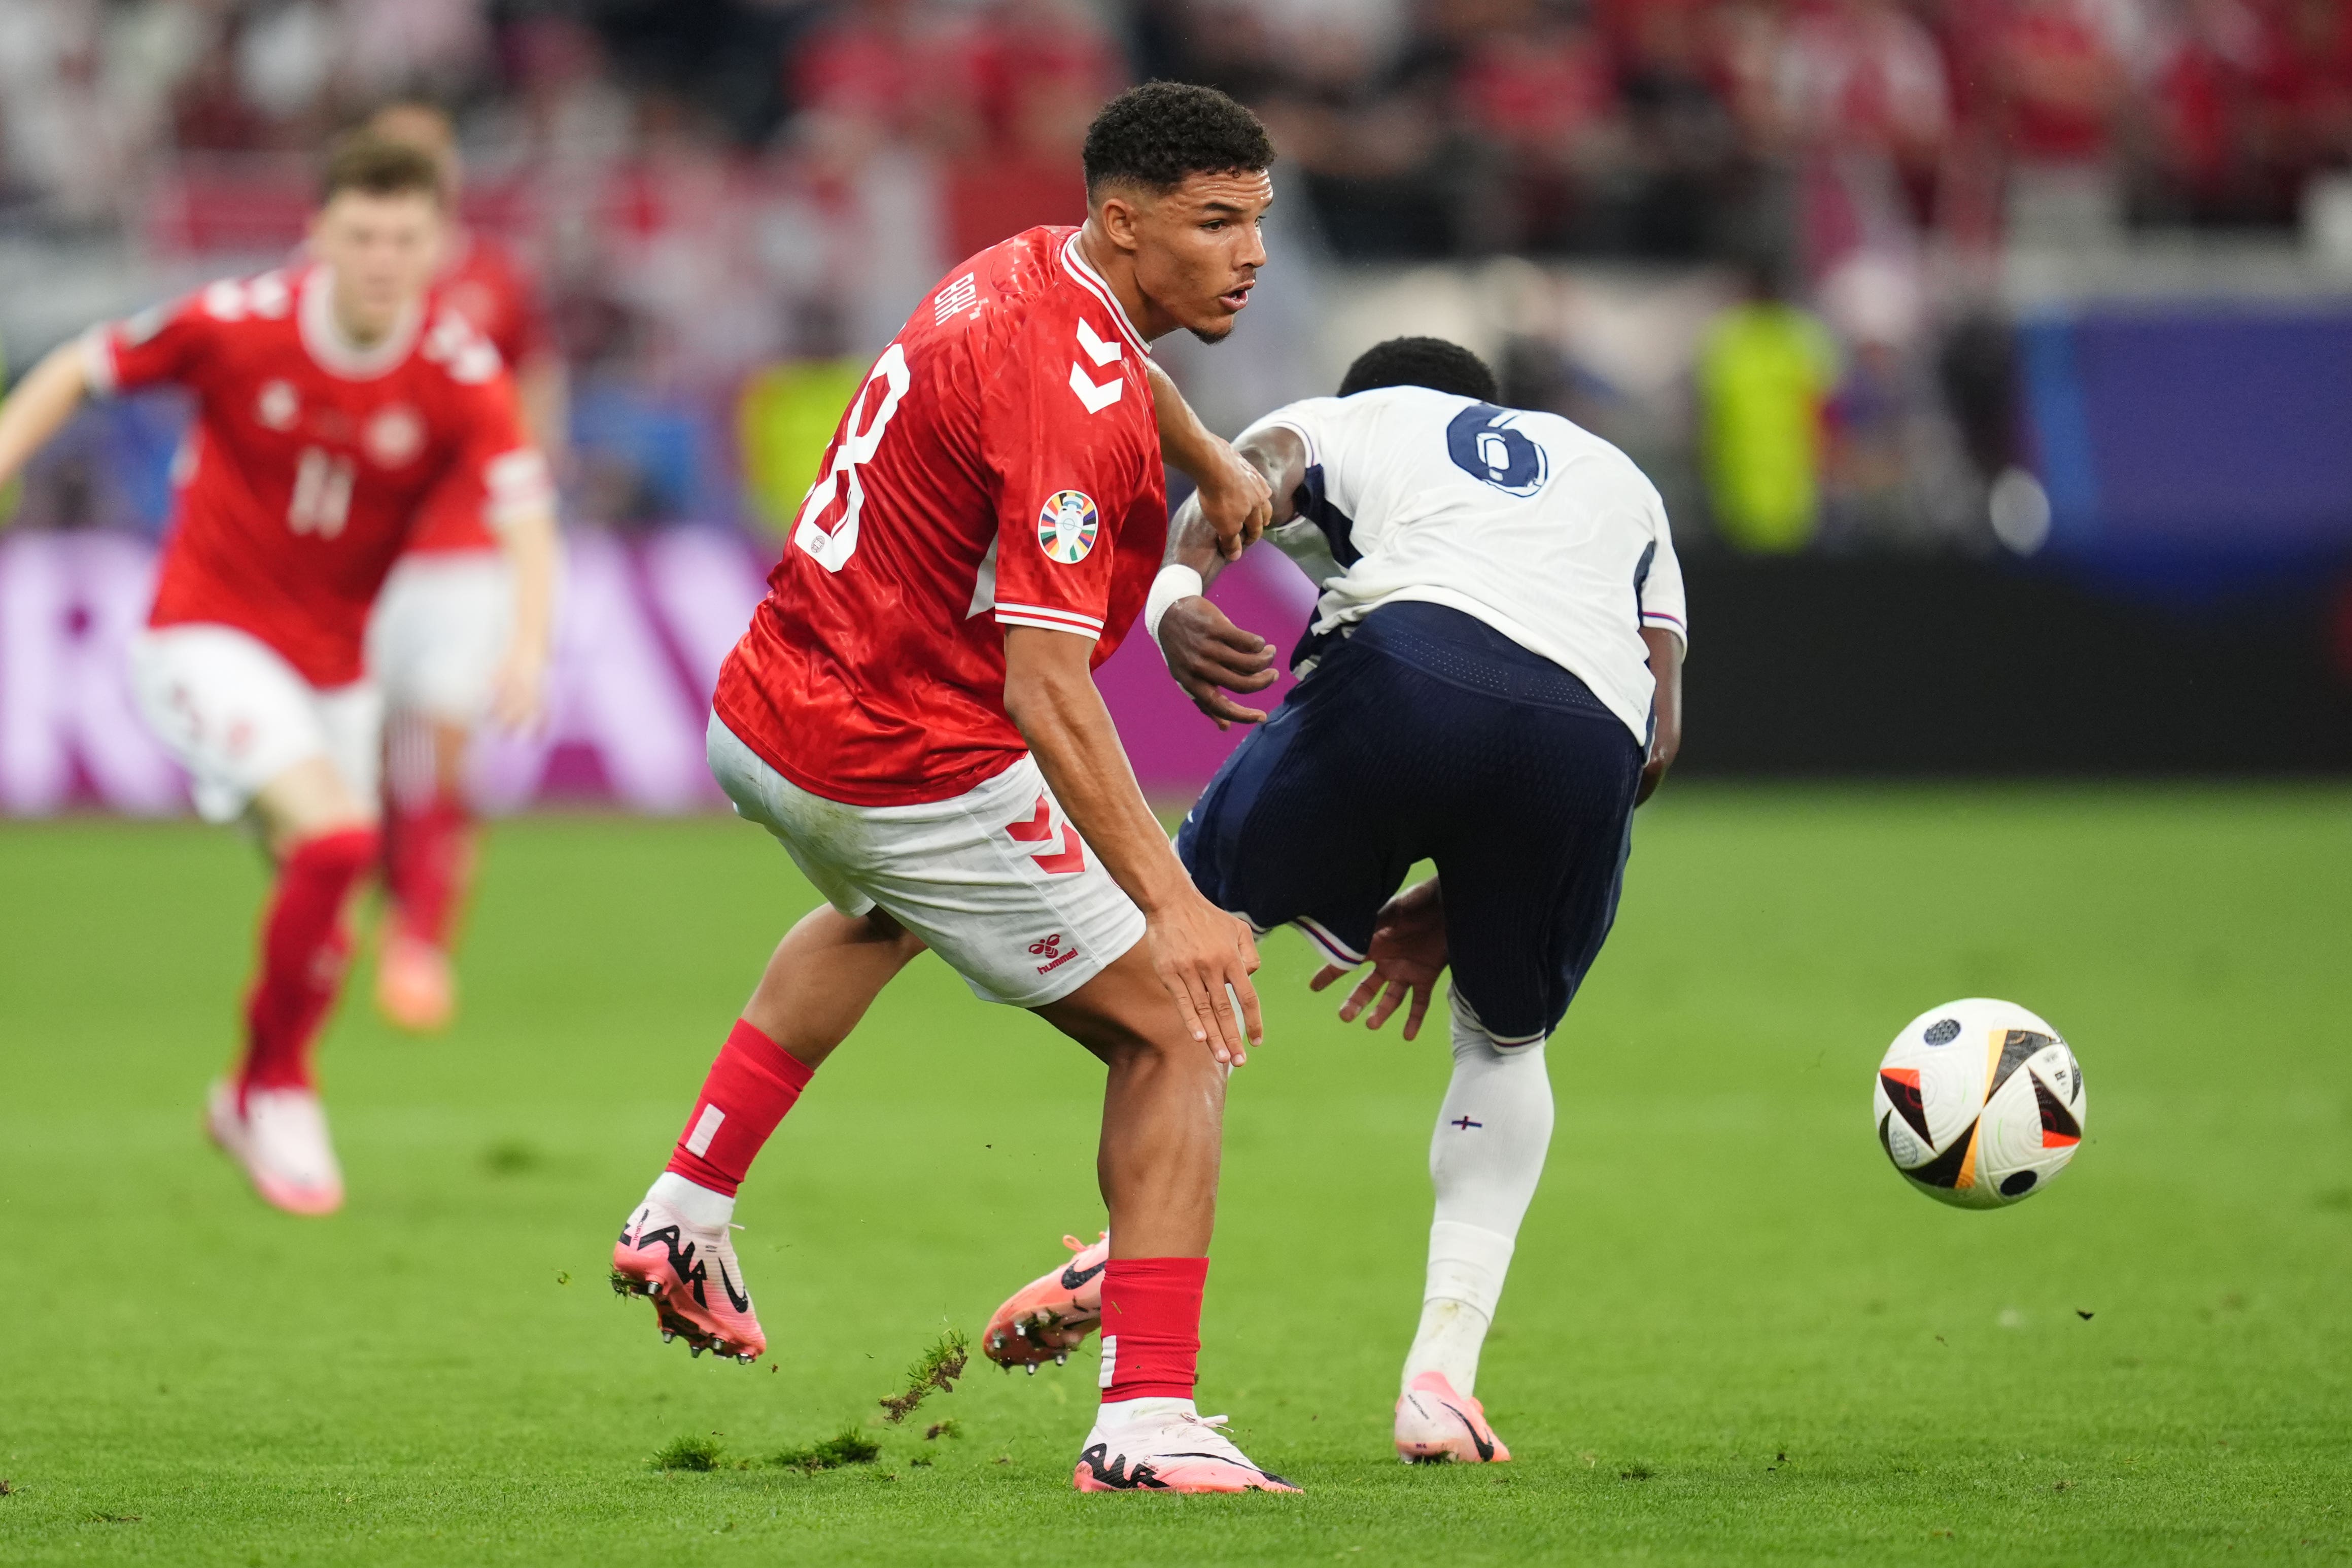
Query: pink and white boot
[1168, 1447]
[279, 1136]
[1434, 1425]
[1051, 1315]
[691, 1275]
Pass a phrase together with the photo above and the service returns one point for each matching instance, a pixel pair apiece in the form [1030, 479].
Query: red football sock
[305, 948]
[428, 864]
[1151, 1327]
[751, 1086]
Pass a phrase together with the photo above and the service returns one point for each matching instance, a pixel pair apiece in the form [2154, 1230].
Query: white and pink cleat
[415, 987]
[692, 1277]
[1169, 1449]
[279, 1136]
[1051, 1315]
[1434, 1425]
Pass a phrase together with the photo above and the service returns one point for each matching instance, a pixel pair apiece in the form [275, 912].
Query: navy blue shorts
[1430, 735]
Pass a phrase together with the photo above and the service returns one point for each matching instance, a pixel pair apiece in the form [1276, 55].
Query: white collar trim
[334, 351]
[1093, 283]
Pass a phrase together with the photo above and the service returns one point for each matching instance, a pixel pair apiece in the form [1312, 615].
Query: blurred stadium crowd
[729, 201]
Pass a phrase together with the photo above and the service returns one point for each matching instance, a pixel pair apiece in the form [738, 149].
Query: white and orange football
[1979, 1102]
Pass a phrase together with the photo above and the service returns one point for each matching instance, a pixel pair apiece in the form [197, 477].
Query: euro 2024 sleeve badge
[1067, 526]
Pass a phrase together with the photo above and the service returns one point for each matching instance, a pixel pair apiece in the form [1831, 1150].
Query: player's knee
[1133, 1033]
[347, 849]
[292, 811]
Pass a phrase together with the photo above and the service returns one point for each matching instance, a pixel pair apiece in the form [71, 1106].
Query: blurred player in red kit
[334, 409]
[912, 714]
[442, 622]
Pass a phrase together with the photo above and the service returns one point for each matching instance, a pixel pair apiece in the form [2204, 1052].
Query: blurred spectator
[55, 132]
[2060, 64]
[1030, 77]
[1540, 97]
[1766, 371]
[1860, 103]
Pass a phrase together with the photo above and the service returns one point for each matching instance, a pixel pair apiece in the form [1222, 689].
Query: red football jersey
[486, 285]
[1000, 468]
[310, 459]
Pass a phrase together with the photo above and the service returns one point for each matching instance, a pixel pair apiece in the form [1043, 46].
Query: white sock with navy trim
[1485, 1155]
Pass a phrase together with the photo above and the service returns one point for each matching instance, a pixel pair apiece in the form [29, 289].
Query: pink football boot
[414, 985]
[694, 1280]
[1174, 1451]
[279, 1136]
[1052, 1313]
[1433, 1423]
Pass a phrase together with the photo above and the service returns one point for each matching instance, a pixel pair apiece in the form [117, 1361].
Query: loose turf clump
[937, 1429]
[848, 1446]
[688, 1453]
[937, 1367]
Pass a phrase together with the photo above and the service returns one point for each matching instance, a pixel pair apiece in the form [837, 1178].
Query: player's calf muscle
[1163, 1110]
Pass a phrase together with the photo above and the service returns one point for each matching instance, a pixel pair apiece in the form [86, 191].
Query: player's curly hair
[1156, 134]
[380, 167]
[1431, 362]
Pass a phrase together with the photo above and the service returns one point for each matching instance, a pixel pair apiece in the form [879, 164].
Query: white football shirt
[1536, 526]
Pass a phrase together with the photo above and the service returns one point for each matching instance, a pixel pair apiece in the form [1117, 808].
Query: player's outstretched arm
[1234, 500]
[529, 540]
[41, 403]
[1206, 652]
[1197, 949]
[1667, 669]
[543, 391]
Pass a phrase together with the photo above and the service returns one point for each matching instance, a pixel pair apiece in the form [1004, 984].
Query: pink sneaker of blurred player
[693, 1278]
[414, 985]
[1052, 1313]
[1435, 1424]
[279, 1136]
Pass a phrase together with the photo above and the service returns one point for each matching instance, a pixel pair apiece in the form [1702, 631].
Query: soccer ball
[1979, 1102]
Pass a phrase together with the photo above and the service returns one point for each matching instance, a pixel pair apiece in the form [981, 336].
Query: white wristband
[1175, 582]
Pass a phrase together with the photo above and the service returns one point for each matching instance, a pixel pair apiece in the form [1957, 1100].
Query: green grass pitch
[1733, 1335]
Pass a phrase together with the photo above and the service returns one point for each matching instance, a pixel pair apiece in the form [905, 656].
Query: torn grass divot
[688, 1453]
[846, 1447]
[937, 1367]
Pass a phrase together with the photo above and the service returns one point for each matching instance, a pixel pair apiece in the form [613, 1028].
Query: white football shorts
[441, 625]
[236, 715]
[996, 880]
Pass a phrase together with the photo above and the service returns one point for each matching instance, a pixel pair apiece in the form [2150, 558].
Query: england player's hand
[1235, 501]
[1209, 656]
[520, 691]
[1206, 957]
[1408, 952]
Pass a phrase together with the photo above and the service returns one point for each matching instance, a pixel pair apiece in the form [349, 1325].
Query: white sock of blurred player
[1484, 1159]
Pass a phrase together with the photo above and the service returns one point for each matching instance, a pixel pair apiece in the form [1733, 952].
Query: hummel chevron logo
[1073, 1278]
[1039, 829]
[1118, 1475]
[1098, 351]
[1095, 398]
